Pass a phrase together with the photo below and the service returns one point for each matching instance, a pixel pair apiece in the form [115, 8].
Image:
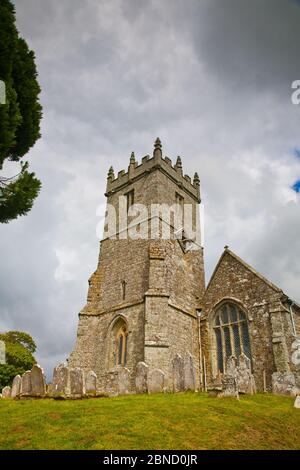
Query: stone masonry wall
[233, 281]
[93, 351]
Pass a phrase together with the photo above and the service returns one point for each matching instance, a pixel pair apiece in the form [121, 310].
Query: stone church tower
[143, 298]
[148, 307]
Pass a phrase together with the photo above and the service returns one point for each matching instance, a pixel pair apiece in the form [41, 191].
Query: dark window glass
[219, 349]
[120, 349]
[246, 340]
[227, 342]
[242, 316]
[236, 338]
[225, 315]
[233, 314]
[231, 325]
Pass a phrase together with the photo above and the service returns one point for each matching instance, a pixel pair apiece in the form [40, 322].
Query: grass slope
[179, 421]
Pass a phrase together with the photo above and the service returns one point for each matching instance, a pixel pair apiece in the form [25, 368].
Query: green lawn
[171, 421]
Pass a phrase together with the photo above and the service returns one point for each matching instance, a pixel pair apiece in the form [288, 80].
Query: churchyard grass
[170, 421]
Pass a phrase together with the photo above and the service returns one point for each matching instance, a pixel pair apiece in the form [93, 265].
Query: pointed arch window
[122, 346]
[231, 334]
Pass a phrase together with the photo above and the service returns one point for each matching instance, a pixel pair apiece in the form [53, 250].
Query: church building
[148, 302]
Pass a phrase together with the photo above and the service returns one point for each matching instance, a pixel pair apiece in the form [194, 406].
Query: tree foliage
[19, 349]
[20, 116]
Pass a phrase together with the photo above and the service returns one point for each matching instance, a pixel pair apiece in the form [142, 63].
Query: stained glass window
[231, 334]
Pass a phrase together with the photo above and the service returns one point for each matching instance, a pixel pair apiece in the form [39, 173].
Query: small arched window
[122, 346]
[231, 334]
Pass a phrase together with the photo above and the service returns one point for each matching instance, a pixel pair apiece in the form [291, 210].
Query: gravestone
[38, 385]
[60, 382]
[245, 378]
[6, 392]
[91, 383]
[156, 381]
[178, 374]
[284, 383]
[123, 381]
[26, 384]
[189, 373]
[141, 378]
[16, 386]
[229, 380]
[297, 402]
[111, 383]
[77, 389]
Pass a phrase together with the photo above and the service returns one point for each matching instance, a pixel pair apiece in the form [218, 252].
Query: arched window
[231, 334]
[121, 344]
[117, 343]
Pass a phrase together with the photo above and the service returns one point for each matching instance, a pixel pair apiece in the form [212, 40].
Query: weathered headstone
[141, 378]
[38, 385]
[189, 373]
[245, 379]
[90, 383]
[178, 374]
[6, 392]
[156, 381]
[77, 389]
[284, 383]
[297, 402]
[60, 382]
[111, 383]
[26, 384]
[231, 366]
[16, 386]
[123, 381]
[229, 380]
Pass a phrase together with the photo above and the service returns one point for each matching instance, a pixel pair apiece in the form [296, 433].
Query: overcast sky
[212, 79]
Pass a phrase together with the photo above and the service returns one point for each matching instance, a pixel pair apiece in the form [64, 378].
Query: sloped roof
[246, 265]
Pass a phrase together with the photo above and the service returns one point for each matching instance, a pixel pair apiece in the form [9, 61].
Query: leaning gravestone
[178, 374]
[189, 373]
[26, 384]
[91, 383]
[38, 385]
[60, 382]
[141, 378]
[6, 392]
[156, 381]
[123, 381]
[77, 389]
[16, 386]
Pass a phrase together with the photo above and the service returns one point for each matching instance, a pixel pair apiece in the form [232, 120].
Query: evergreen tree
[20, 116]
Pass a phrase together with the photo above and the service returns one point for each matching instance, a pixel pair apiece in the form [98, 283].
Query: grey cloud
[212, 79]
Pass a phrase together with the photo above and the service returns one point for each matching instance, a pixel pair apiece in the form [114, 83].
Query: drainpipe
[292, 319]
[200, 350]
[290, 311]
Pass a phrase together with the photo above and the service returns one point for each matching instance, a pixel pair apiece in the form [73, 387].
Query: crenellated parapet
[148, 164]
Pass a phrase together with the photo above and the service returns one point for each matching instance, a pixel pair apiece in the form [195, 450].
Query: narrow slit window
[129, 199]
